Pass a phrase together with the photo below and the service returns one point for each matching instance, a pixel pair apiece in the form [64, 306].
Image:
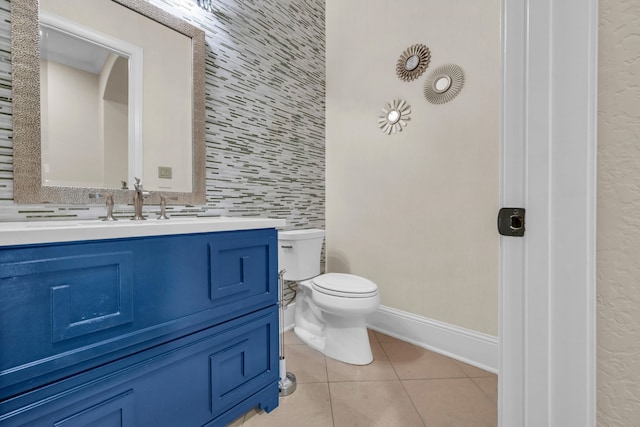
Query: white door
[547, 289]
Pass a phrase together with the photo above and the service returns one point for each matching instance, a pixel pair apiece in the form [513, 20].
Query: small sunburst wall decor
[394, 117]
[443, 84]
[413, 62]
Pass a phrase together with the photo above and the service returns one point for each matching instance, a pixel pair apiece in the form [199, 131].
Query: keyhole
[516, 222]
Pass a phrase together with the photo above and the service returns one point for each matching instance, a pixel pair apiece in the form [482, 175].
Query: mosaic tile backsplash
[265, 89]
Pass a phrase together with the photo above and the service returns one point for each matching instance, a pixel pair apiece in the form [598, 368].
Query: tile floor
[404, 386]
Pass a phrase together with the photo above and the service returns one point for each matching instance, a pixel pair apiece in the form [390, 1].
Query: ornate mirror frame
[27, 168]
[413, 62]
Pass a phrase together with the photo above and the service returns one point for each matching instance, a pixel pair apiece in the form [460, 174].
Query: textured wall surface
[265, 113]
[618, 244]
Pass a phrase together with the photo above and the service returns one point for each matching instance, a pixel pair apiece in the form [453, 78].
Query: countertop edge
[43, 232]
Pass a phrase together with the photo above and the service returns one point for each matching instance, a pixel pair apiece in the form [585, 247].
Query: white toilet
[330, 308]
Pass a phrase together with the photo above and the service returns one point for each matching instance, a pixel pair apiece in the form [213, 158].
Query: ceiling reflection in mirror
[120, 95]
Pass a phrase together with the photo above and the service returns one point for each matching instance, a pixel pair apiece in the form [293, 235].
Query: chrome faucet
[138, 198]
[163, 206]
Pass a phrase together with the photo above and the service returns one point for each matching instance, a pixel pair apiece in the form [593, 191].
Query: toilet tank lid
[310, 233]
[345, 283]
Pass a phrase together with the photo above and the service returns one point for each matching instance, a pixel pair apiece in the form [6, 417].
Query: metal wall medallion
[413, 62]
[443, 84]
[394, 117]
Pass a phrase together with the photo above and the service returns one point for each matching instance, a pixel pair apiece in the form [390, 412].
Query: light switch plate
[165, 172]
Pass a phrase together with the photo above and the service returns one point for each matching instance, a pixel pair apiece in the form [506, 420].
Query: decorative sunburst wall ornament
[443, 84]
[394, 117]
[413, 62]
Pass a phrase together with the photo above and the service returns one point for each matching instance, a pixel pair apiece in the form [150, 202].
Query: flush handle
[511, 222]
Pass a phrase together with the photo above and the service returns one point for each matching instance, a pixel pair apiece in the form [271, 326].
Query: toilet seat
[344, 285]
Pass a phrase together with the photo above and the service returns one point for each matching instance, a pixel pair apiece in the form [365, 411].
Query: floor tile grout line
[454, 361]
[434, 378]
[457, 362]
[483, 392]
[389, 359]
[364, 381]
[413, 403]
[424, 422]
[326, 368]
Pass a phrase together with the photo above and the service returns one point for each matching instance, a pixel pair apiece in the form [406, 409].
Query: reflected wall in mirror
[141, 112]
[89, 118]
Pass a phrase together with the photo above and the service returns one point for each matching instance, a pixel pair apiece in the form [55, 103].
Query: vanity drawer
[65, 308]
[187, 382]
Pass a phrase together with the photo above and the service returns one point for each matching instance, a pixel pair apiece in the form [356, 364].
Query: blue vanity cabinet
[160, 330]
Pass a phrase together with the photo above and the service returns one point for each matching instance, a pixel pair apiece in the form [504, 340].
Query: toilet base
[343, 338]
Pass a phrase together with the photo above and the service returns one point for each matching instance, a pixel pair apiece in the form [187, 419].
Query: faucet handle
[163, 205]
[109, 203]
[138, 184]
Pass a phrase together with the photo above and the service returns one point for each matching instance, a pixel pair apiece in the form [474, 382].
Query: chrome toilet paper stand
[287, 383]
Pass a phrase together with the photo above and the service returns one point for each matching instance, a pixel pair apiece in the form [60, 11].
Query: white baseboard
[475, 348]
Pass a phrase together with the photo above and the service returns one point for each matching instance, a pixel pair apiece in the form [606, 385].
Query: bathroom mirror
[147, 117]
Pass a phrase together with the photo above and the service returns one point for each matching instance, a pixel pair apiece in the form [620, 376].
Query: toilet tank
[299, 253]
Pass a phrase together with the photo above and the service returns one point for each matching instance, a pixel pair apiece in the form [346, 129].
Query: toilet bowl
[330, 308]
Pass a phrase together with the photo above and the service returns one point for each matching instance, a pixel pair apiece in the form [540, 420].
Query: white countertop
[34, 232]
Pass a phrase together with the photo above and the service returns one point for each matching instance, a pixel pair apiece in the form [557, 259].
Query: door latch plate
[511, 222]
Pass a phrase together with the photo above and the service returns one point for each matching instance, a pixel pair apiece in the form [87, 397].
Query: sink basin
[34, 232]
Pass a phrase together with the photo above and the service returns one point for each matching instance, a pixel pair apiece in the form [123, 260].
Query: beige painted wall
[618, 236]
[415, 212]
[167, 117]
[71, 145]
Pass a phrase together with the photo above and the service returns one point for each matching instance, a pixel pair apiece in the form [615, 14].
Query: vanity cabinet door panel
[65, 308]
[187, 382]
[54, 309]
[238, 364]
[243, 270]
[114, 412]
